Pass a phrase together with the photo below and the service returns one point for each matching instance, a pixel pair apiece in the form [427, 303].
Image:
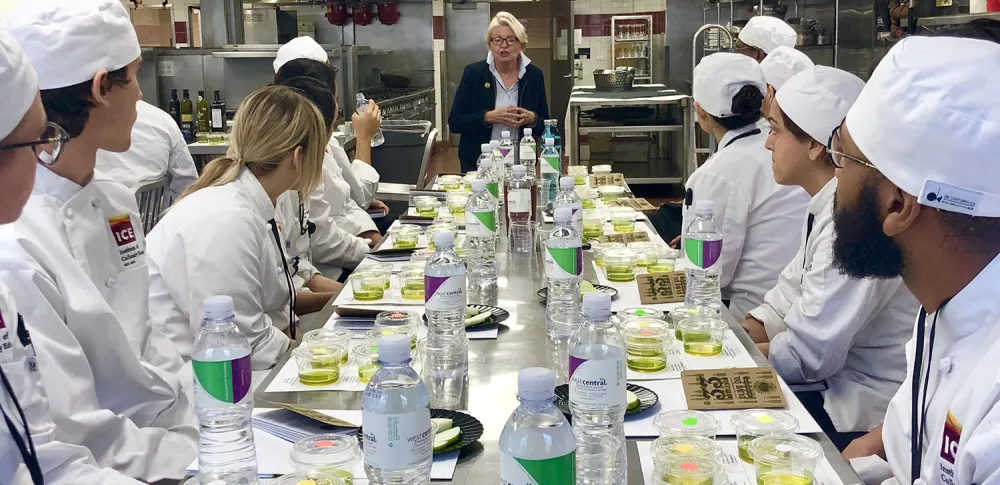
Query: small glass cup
[326, 336]
[439, 227]
[702, 337]
[667, 449]
[427, 206]
[685, 423]
[610, 193]
[785, 459]
[449, 182]
[521, 236]
[398, 322]
[662, 260]
[645, 344]
[374, 334]
[384, 269]
[623, 219]
[330, 454]
[644, 252]
[456, 203]
[639, 313]
[421, 256]
[405, 236]
[319, 365]
[312, 478]
[754, 423]
[619, 265]
[368, 285]
[688, 470]
[366, 355]
[588, 197]
[596, 169]
[680, 313]
[596, 454]
[412, 284]
[579, 174]
[446, 217]
[601, 248]
[593, 223]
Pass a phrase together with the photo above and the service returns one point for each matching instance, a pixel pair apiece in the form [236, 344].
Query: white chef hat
[929, 120]
[817, 99]
[300, 48]
[766, 33]
[18, 83]
[67, 42]
[782, 63]
[718, 77]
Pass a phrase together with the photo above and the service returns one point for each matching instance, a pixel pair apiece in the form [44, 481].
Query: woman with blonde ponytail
[220, 237]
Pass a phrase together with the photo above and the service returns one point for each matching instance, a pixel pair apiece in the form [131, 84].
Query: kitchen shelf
[951, 19]
[643, 77]
[633, 25]
[631, 57]
[644, 39]
[630, 128]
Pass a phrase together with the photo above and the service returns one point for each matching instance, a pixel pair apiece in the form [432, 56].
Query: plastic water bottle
[486, 153]
[567, 197]
[551, 162]
[506, 148]
[537, 444]
[702, 249]
[563, 270]
[519, 202]
[597, 378]
[444, 288]
[223, 397]
[378, 139]
[528, 151]
[552, 131]
[481, 235]
[395, 411]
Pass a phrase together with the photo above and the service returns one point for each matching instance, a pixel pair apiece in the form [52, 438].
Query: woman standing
[502, 93]
[221, 238]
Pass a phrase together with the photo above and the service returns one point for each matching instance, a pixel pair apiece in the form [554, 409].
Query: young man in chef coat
[818, 325]
[762, 34]
[29, 449]
[919, 197]
[75, 260]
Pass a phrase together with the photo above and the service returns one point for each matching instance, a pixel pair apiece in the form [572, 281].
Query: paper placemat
[734, 355]
[738, 472]
[392, 296]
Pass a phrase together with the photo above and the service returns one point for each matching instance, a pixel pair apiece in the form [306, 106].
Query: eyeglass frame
[504, 41]
[61, 138]
[838, 156]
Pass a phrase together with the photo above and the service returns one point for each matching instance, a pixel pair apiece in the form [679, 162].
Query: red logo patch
[121, 227]
[950, 439]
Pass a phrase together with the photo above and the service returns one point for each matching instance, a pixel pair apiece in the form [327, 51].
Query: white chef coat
[293, 220]
[61, 463]
[218, 241]
[360, 176]
[825, 325]
[759, 218]
[75, 262]
[332, 247]
[158, 149]
[346, 211]
[961, 444]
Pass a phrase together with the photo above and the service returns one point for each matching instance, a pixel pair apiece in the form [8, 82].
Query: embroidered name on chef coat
[950, 438]
[5, 344]
[126, 239]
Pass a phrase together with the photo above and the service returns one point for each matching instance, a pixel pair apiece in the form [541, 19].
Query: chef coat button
[96, 203]
[110, 283]
[945, 365]
[69, 213]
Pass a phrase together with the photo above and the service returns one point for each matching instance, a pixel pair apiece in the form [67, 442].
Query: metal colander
[617, 80]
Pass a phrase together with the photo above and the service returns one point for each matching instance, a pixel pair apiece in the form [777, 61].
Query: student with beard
[818, 325]
[919, 197]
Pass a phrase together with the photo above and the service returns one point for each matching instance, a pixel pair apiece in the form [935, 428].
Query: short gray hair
[505, 19]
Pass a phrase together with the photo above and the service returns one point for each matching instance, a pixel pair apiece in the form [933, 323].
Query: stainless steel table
[493, 368]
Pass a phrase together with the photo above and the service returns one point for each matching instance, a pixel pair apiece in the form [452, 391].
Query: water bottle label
[480, 223]
[493, 188]
[527, 154]
[507, 154]
[444, 293]
[702, 254]
[550, 164]
[563, 263]
[397, 441]
[577, 219]
[220, 384]
[518, 200]
[596, 382]
[560, 470]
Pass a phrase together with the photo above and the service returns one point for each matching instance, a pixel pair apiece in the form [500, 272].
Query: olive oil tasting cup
[751, 424]
[320, 365]
[619, 265]
[646, 344]
[784, 460]
[686, 423]
[702, 337]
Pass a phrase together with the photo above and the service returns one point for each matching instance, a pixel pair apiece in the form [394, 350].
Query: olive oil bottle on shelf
[218, 114]
[203, 125]
[187, 117]
[175, 107]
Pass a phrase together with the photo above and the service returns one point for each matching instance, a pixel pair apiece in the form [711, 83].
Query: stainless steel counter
[493, 368]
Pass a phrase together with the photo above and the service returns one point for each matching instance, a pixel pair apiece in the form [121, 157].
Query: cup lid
[308, 478]
[788, 450]
[685, 446]
[640, 312]
[764, 422]
[325, 452]
[686, 423]
[224, 478]
[328, 334]
[693, 467]
[704, 324]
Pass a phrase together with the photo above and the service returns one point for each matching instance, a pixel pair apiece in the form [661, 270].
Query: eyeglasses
[49, 146]
[504, 41]
[838, 156]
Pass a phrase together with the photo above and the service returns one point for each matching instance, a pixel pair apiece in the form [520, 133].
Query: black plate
[499, 314]
[543, 293]
[472, 429]
[647, 398]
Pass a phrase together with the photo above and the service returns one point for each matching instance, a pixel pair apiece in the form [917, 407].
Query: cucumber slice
[632, 399]
[586, 287]
[471, 312]
[444, 424]
[478, 319]
[447, 438]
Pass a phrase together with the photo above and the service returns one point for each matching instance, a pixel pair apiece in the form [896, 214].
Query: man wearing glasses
[75, 260]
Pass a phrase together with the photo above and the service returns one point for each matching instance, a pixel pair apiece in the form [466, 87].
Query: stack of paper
[291, 426]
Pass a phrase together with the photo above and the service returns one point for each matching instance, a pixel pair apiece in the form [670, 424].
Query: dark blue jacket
[477, 94]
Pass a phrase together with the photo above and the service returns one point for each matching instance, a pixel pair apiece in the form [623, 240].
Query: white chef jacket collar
[48, 183]
[737, 132]
[974, 306]
[523, 62]
[255, 191]
[819, 201]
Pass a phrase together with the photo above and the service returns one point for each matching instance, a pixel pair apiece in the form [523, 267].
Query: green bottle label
[560, 470]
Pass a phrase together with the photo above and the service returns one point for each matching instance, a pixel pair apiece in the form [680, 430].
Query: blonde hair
[270, 124]
[505, 19]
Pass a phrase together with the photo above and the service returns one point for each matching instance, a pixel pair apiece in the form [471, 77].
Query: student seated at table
[221, 237]
[818, 325]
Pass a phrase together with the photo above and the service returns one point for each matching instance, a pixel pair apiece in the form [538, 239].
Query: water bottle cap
[527, 132]
[218, 307]
[486, 162]
[703, 207]
[494, 143]
[536, 384]
[597, 305]
[360, 97]
[478, 185]
[563, 214]
[445, 239]
[505, 134]
[394, 348]
[550, 142]
[566, 183]
[485, 148]
[519, 170]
